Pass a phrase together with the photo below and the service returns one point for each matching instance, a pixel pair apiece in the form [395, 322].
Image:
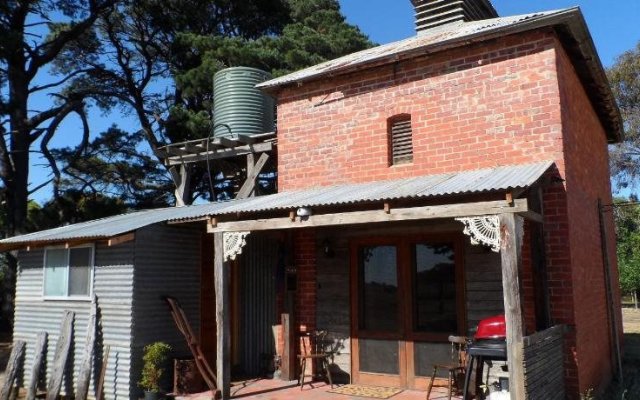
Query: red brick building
[507, 91]
[424, 185]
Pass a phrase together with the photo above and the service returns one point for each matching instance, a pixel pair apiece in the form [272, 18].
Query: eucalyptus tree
[624, 76]
[33, 34]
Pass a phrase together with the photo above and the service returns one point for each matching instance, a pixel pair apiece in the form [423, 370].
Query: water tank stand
[178, 157]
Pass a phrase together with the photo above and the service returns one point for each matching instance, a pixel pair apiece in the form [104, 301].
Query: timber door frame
[406, 337]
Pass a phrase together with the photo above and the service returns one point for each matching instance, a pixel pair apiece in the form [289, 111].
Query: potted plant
[155, 356]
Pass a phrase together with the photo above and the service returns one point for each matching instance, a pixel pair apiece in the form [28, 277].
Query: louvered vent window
[400, 140]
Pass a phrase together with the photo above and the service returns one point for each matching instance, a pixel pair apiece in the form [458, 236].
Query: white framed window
[68, 272]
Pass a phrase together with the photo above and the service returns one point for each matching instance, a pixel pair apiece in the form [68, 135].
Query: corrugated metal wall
[167, 261]
[257, 302]
[113, 284]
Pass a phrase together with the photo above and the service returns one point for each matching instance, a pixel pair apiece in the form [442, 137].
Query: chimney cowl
[432, 13]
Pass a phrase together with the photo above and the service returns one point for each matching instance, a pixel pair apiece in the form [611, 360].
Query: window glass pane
[79, 271]
[434, 272]
[379, 289]
[55, 272]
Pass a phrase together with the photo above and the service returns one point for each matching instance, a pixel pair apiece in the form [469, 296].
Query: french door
[407, 298]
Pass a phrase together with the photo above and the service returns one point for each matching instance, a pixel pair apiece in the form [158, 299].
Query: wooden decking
[272, 389]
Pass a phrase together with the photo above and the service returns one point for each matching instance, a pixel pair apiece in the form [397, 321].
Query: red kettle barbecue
[489, 343]
[492, 328]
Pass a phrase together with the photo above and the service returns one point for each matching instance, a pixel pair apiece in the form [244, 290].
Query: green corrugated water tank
[239, 105]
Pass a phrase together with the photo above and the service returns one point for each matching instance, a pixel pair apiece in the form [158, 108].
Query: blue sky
[614, 25]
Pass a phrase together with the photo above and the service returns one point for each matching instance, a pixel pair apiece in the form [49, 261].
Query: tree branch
[40, 186]
[61, 81]
[55, 112]
[44, 147]
[52, 48]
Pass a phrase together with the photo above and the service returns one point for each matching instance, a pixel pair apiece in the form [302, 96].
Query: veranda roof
[501, 178]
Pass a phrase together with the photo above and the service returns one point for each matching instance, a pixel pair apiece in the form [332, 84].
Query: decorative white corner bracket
[484, 230]
[233, 244]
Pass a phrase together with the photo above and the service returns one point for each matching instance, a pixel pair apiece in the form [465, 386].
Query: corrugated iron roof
[568, 22]
[99, 228]
[453, 32]
[428, 186]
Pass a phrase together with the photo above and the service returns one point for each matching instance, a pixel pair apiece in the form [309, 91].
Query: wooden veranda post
[511, 231]
[223, 319]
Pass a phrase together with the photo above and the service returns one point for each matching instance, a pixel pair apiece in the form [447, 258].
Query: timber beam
[215, 148]
[511, 232]
[223, 317]
[219, 153]
[519, 206]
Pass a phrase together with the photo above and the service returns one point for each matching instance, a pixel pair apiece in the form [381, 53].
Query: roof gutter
[68, 243]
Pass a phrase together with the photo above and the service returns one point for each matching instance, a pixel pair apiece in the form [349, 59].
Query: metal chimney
[433, 13]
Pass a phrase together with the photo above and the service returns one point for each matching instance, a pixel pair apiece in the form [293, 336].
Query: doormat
[373, 392]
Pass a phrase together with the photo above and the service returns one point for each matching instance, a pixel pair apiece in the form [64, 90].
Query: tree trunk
[16, 175]
[634, 294]
[7, 288]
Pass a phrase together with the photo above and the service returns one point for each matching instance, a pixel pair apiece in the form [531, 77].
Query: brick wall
[486, 105]
[305, 260]
[504, 102]
[587, 179]
[304, 241]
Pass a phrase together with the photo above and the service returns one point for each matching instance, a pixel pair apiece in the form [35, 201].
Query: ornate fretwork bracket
[483, 230]
[233, 244]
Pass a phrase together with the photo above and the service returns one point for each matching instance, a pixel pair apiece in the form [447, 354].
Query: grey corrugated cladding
[128, 280]
[167, 262]
[428, 186]
[113, 284]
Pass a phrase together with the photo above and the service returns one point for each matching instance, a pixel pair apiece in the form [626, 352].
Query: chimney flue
[433, 13]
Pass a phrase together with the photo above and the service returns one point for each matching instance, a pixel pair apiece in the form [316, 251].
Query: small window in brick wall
[400, 139]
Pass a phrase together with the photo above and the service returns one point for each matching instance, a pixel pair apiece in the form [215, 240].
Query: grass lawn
[631, 361]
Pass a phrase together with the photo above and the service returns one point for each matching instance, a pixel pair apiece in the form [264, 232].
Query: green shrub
[155, 355]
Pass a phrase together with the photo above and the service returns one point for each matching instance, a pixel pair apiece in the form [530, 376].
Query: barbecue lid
[492, 328]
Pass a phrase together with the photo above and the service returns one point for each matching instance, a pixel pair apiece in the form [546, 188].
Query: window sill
[65, 298]
[401, 164]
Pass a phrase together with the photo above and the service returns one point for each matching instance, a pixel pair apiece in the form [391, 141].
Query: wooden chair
[314, 349]
[456, 367]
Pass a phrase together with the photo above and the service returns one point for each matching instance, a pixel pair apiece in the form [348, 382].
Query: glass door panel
[378, 289]
[434, 289]
[435, 304]
[378, 356]
[408, 298]
[426, 354]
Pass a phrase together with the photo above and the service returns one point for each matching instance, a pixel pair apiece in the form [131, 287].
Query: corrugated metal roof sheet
[99, 228]
[450, 33]
[466, 182]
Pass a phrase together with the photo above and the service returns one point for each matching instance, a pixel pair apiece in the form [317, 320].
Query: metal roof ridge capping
[453, 33]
